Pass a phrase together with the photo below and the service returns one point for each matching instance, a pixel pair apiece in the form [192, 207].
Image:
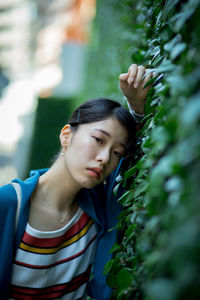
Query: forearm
[133, 87]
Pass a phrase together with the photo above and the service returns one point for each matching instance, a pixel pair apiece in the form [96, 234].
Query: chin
[89, 184]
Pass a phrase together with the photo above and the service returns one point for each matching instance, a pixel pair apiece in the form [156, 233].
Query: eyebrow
[108, 134]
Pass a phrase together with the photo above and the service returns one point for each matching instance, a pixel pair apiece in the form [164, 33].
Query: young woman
[65, 212]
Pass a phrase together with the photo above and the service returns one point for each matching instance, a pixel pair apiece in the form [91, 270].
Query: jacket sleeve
[99, 290]
[8, 206]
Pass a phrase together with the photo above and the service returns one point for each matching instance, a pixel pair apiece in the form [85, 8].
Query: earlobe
[65, 135]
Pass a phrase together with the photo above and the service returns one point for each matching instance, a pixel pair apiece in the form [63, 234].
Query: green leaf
[108, 266]
[152, 42]
[146, 145]
[173, 184]
[155, 51]
[160, 137]
[126, 198]
[165, 66]
[114, 248]
[130, 231]
[170, 4]
[177, 50]
[174, 199]
[130, 172]
[111, 281]
[155, 102]
[153, 223]
[116, 188]
[141, 188]
[191, 113]
[181, 18]
[158, 20]
[150, 81]
[178, 84]
[156, 60]
[171, 44]
[124, 278]
[119, 178]
[159, 88]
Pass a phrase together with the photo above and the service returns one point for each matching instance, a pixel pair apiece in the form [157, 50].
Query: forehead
[111, 126]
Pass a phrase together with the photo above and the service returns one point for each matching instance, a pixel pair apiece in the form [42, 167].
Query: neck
[57, 187]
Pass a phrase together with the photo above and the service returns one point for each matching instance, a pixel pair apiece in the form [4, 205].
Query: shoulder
[7, 195]
[8, 198]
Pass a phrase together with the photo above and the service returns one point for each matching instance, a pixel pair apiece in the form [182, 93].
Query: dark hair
[99, 109]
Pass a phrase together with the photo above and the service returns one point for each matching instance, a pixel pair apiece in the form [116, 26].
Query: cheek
[112, 166]
[89, 147]
[82, 149]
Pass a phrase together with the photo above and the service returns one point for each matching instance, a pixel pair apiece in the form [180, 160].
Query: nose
[103, 156]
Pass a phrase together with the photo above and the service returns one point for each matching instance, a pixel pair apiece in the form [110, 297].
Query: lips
[96, 171]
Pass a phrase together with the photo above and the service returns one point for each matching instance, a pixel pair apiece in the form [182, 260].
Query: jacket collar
[87, 199]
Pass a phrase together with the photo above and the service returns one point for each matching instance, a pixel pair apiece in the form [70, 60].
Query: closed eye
[118, 154]
[98, 140]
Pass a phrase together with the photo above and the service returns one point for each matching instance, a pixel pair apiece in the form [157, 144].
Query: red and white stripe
[57, 264]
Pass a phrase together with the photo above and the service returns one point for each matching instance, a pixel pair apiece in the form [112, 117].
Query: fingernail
[132, 78]
[135, 85]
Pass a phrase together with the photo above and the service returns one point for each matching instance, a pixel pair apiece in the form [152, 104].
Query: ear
[65, 136]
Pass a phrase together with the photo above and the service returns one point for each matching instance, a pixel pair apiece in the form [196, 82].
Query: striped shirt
[55, 264]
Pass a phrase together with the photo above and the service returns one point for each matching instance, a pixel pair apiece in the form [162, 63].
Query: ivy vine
[157, 254]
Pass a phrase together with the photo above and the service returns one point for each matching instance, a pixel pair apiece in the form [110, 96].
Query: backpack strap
[19, 199]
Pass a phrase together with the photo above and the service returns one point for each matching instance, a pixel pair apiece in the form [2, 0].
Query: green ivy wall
[157, 256]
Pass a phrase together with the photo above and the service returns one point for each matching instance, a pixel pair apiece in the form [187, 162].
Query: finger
[123, 77]
[147, 76]
[132, 71]
[146, 81]
[140, 73]
[147, 72]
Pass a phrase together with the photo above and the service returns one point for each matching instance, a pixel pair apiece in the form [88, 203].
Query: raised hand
[132, 85]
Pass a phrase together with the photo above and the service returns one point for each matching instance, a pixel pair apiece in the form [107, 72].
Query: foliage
[51, 115]
[157, 255]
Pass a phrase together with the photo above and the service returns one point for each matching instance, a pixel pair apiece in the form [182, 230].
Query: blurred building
[15, 36]
[42, 51]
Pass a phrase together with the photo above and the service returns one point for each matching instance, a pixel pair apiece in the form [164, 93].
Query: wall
[157, 255]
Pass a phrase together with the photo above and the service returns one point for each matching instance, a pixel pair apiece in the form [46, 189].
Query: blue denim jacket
[99, 203]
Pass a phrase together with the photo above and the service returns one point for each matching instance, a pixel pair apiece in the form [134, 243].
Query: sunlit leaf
[166, 66]
[116, 188]
[171, 44]
[177, 50]
[174, 184]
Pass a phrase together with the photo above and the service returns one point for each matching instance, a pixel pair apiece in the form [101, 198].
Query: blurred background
[54, 54]
[42, 58]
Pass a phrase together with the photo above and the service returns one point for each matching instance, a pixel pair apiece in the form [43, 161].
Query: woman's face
[94, 151]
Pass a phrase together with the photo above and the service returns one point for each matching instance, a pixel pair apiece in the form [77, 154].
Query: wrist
[138, 110]
[133, 112]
